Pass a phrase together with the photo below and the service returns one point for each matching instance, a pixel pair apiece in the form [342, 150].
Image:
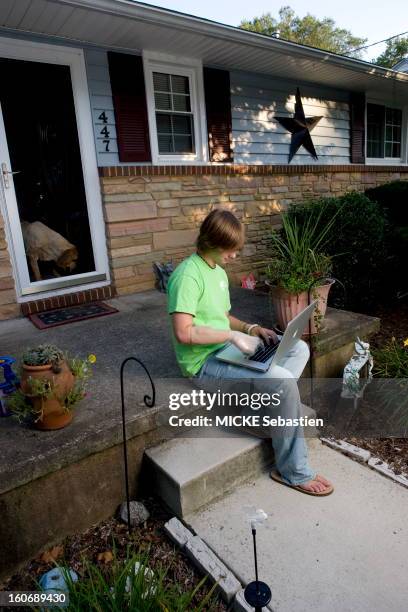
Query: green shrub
[356, 242]
[393, 199]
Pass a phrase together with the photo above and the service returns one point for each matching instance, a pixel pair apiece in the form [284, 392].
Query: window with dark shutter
[129, 100]
[384, 132]
[218, 110]
[357, 131]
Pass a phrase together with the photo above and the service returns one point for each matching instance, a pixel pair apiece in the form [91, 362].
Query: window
[384, 128]
[174, 118]
[175, 101]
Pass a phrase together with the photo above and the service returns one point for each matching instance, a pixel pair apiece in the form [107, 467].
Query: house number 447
[104, 131]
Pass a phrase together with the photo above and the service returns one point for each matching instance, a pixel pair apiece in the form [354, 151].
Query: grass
[391, 360]
[130, 585]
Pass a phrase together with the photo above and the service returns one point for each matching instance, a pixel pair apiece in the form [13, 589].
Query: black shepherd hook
[149, 401]
[316, 280]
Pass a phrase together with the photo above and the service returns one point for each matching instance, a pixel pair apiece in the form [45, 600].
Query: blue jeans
[291, 455]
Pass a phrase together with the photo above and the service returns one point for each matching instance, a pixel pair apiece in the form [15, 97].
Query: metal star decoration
[300, 128]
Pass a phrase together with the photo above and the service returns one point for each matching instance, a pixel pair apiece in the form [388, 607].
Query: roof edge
[154, 14]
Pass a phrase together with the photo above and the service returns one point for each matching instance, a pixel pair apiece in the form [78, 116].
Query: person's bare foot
[318, 485]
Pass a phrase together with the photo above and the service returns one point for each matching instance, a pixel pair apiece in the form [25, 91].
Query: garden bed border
[364, 456]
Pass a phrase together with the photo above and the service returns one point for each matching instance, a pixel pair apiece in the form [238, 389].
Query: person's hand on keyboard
[246, 344]
[268, 336]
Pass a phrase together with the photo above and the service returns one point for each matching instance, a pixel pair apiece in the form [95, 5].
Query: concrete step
[190, 472]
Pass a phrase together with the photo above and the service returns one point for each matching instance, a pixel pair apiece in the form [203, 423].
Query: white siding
[259, 139]
[101, 102]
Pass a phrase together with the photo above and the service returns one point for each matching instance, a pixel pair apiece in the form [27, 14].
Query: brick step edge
[68, 299]
[207, 562]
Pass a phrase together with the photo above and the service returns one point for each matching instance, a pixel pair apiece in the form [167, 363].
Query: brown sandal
[276, 476]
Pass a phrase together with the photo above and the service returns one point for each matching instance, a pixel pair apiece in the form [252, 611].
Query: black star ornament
[300, 128]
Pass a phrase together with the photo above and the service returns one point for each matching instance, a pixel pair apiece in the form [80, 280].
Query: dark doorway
[42, 137]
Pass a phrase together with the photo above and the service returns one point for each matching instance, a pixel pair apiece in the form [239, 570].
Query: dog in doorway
[44, 244]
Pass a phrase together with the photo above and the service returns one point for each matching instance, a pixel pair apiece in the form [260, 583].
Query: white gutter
[159, 16]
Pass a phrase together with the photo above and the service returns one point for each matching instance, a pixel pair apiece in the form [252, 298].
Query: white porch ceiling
[133, 26]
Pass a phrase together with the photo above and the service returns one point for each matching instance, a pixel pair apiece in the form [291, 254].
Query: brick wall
[155, 217]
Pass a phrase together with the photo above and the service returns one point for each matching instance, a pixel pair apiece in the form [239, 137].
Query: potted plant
[299, 261]
[52, 383]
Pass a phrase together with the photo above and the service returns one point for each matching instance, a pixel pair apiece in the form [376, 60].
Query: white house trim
[389, 161]
[74, 58]
[193, 69]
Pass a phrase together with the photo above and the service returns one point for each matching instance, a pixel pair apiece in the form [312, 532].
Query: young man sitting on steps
[199, 305]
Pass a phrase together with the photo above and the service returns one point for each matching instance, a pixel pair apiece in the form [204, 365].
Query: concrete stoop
[188, 473]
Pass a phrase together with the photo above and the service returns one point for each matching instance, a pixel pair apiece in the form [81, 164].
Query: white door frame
[74, 58]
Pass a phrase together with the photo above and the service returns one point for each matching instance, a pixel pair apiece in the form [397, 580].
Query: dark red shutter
[218, 109]
[357, 128]
[129, 101]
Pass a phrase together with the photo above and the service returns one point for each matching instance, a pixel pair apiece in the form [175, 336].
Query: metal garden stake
[149, 401]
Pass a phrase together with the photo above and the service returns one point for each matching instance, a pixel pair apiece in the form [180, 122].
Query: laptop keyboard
[264, 352]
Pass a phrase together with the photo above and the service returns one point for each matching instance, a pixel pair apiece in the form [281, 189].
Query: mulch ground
[392, 450]
[95, 545]
[394, 323]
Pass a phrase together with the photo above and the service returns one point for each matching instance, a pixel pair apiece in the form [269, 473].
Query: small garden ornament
[8, 385]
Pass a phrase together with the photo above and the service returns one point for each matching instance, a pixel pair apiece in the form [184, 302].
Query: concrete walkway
[347, 552]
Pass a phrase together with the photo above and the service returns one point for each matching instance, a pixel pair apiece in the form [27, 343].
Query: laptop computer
[266, 355]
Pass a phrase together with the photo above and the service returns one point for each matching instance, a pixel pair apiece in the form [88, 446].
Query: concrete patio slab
[343, 553]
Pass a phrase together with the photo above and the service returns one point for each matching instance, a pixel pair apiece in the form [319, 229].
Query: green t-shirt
[196, 288]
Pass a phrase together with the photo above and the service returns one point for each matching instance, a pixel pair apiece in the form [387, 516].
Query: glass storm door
[43, 179]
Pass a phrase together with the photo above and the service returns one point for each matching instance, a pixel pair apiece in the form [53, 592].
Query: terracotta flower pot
[54, 415]
[287, 305]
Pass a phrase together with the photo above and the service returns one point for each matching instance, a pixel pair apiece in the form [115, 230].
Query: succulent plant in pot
[298, 263]
[51, 384]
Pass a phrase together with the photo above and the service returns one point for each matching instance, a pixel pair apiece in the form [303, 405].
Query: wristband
[252, 327]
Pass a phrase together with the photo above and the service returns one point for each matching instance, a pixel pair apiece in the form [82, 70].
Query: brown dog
[44, 244]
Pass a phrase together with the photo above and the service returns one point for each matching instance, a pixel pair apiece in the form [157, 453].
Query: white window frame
[193, 69]
[388, 161]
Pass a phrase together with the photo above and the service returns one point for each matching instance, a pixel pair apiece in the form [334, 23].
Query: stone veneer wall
[153, 214]
[8, 304]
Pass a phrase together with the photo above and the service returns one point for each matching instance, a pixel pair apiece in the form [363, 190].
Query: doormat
[62, 316]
